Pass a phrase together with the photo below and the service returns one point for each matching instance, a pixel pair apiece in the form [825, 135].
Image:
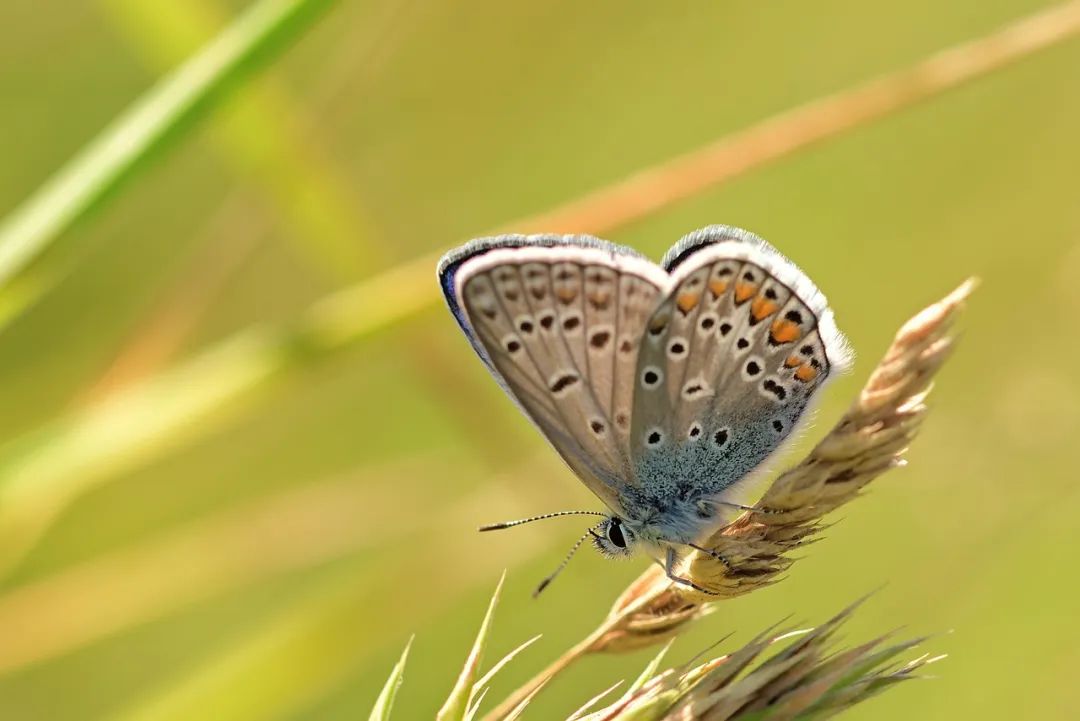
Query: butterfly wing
[730, 361]
[559, 320]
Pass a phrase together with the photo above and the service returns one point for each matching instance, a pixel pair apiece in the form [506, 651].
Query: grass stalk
[156, 119]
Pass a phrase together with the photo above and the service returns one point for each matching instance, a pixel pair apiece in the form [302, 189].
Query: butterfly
[663, 388]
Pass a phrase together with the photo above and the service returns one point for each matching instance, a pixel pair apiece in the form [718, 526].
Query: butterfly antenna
[511, 524]
[577, 544]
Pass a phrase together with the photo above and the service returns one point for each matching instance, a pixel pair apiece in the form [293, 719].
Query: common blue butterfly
[662, 387]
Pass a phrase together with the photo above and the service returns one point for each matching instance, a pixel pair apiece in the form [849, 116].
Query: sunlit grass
[166, 408]
[804, 679]
[146, 128]
[267, 137]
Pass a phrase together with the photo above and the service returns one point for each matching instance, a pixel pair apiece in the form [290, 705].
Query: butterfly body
[657, 519]
[663, 387]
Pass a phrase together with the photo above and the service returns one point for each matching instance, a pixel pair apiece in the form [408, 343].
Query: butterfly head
[613, 538]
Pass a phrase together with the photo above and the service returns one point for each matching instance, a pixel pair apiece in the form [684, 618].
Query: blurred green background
[202, 518]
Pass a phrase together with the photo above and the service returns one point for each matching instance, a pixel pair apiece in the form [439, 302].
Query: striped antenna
[511, 524]
[573, 550]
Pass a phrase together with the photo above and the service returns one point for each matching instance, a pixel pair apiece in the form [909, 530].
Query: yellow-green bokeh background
[397, 128]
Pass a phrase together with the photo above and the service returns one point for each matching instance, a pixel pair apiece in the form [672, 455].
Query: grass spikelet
[794, 675]
[867, 441]
[805, 679]
[469, 692]
[464, 693]
[385, 703]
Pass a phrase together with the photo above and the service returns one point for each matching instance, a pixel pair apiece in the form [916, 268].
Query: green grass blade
[456, 704]
[649, 671]
[480, 688]
[486, 678]
[163, 112]
[517, 711]
[588, 705]
[385, 703]
[263, 135]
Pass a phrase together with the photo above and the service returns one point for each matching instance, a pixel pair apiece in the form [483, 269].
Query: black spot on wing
[599, 339]
[562, 382]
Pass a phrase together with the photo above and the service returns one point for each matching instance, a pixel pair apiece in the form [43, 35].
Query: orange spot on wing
[566, 295]
[793, 361]
[744, 291]
[762, 308]
[717, 287]
[687, 301]
[599, 299]
[784, 331]
[806, 373]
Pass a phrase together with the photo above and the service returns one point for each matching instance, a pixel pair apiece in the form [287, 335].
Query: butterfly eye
[614, 538]
[615, 533]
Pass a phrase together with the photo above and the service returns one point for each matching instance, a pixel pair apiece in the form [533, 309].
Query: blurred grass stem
[265, 135]
[159, 116]
[236, 230]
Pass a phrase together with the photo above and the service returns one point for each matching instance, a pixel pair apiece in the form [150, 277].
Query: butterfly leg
[669, 569]
[711, 554]
[705, 503]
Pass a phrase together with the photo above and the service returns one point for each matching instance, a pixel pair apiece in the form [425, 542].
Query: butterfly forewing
[560, 321]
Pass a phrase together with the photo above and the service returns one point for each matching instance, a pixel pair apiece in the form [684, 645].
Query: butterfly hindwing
[731, 359]
[559, 320]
